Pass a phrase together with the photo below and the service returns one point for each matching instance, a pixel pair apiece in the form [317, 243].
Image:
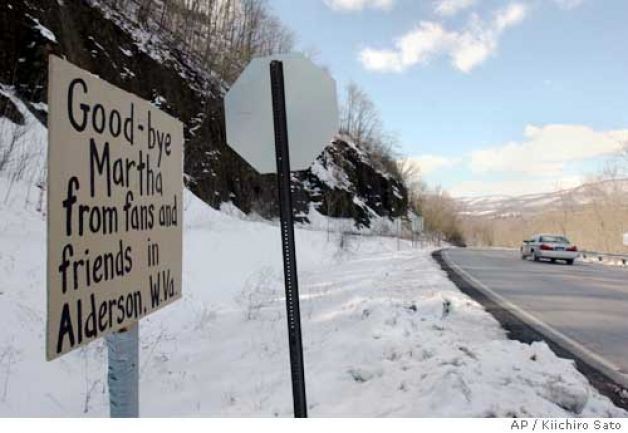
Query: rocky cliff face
[343, 181]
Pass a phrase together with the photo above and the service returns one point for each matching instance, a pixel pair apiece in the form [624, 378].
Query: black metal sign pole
[287, 239]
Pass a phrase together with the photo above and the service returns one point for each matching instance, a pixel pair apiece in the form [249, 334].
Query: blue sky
[488, 97]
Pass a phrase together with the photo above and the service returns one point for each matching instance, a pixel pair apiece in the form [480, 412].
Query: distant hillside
[594, 216]
[530, 204]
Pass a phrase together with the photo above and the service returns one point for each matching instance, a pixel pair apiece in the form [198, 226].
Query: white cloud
[415, 47]
[467, 48]
[452, 7]
[510, 16]
[381, 60]
[547, 150]
[514, 187]
[430, 163]
[358, 5]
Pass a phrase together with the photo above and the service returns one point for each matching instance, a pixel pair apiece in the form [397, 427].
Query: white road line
[591, 358]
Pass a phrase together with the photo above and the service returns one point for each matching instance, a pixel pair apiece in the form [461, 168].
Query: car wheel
[569, 262]
[536, 258]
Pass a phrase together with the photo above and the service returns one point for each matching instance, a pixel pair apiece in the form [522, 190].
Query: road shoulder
[527, 329]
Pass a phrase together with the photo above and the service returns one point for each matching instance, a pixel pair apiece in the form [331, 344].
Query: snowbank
[28, 142]
[385, 333]
[605, 260]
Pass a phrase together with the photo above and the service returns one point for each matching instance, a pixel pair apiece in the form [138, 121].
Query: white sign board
[417, 223]
[626, 239]
[115, 183]
[311, 107]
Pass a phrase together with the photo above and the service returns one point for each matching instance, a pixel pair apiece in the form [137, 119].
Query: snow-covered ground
[385, 333]
[28, 141]
[619, 261]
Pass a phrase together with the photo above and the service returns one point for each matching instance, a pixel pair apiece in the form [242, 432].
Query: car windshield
[555, 239]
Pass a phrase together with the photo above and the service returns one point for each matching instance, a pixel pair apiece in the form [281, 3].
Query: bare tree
[360, 120]
[594, 216]
[9, 141]
[359, 117]
[410, 174]
[20, 159]
[441, 215]
[223, 35]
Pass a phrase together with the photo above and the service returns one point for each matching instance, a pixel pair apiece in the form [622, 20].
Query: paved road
[588, 303]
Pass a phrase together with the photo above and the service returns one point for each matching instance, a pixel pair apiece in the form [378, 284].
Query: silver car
[551, 247]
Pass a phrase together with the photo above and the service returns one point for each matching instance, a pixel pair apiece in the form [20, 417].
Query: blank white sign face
[311, 106]
[626, 239]
[417, 224]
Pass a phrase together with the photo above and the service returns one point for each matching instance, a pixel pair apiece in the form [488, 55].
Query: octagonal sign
[311, 108]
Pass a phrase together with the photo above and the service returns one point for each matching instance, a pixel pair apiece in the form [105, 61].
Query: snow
[606, 260]
[158, 101]
[44, 31]
[156, 45]
[385, 333]
[40, 106]
[530, 203]
[380, 226]
[331, 175]
[29, 156]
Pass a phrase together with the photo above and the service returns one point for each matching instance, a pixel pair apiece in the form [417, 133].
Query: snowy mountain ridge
[503, 205]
